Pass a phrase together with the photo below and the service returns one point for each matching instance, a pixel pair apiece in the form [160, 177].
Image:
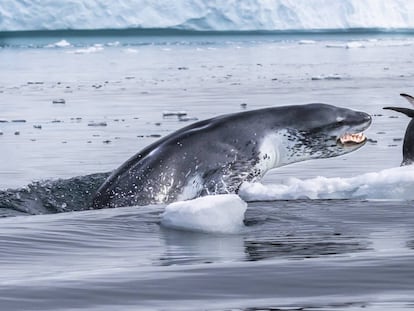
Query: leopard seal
[217, 155]
[408, 145]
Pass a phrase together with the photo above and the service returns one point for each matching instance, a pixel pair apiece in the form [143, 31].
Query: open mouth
[352, 139]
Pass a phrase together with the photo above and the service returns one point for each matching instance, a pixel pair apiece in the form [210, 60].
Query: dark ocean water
[306, 255]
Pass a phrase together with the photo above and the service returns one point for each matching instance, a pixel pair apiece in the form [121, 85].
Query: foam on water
[391, 184]
[216, 213]
[17, 15]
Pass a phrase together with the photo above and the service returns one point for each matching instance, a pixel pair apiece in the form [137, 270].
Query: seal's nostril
[366, 117]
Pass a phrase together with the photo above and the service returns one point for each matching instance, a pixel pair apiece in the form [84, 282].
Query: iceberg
[206, 15]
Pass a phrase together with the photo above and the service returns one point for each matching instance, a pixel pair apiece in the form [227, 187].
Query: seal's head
[324, 131]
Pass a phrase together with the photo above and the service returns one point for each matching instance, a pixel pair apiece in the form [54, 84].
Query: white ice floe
[174, 113]
[60, 44]
[355, 45]
[92, 49]
[307, 42]
[370, 43]
[130, 51]
[206, 14]
[391, 184]
[347, 45]
[216, 213]
[327, 77]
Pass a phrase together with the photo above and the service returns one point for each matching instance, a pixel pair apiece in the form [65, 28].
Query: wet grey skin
[217, 155]
[408, 146]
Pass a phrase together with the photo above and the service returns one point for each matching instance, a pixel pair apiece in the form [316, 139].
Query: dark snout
[362, 118]
[365, 117]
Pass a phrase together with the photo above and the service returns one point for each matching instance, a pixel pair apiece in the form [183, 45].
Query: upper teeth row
[357, 138]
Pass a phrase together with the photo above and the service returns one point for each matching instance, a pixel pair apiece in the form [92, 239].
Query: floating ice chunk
[174, 113]
[347, 45]
[130, 51]
[59, 101]
[307, 42]
[336, 45]
[60, 44]
[354, 45]
[327, 77]
[395, 183]
[115, 43]
[97, 123]
[186, 119]
[92, 49]
[216, 213]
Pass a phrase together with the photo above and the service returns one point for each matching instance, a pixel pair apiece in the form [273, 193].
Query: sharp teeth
[353, 138]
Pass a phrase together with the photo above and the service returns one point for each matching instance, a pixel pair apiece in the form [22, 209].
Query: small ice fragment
[174, 113]
[307, 42]
[37, 126]
[89, 50]
[131, 51]
[59, 101]
[35, 82]
[97, 124]
[115, 43]
[216, 213]
[186, 119]
[333, 77]
[60, 44]
[335, 45]
[328, 77]
[354, 45]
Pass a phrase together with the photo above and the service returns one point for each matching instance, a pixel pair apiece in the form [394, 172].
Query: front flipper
[409, 98]
[408, 112]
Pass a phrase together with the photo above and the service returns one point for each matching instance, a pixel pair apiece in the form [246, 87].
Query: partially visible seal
[217, 155]
[408, 146]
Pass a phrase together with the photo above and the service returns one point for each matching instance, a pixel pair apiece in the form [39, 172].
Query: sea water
[331, 234]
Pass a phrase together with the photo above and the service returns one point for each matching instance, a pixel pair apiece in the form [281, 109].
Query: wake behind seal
[217, 155]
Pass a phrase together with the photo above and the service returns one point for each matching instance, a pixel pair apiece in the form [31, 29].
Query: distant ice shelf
[206, 15]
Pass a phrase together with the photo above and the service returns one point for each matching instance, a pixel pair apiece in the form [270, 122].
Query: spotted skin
[217, 155]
